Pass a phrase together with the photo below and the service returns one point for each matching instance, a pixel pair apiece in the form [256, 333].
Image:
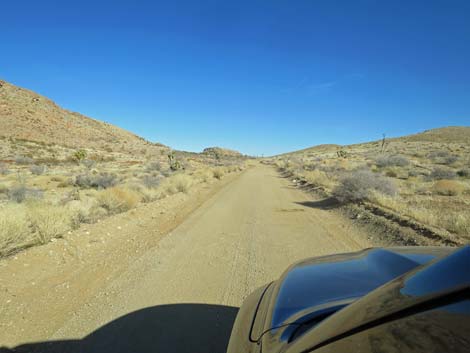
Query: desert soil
[190, 261]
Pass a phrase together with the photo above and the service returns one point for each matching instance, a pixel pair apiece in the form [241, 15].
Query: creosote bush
[392, 161]
[22, 160]
[359, 186]
[439, 173]
[20, 193]
[100, 181]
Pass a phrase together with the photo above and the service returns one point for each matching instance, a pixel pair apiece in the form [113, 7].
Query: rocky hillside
[221, 152]
[27, 115]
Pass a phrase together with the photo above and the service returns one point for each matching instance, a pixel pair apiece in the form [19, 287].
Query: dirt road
[184, 292]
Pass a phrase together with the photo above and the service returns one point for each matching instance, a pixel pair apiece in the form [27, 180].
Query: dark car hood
[319, 286]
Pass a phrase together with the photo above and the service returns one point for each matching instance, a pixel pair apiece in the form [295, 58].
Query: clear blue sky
[262, 77]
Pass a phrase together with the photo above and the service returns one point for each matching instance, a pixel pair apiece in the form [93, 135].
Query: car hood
[320, 286]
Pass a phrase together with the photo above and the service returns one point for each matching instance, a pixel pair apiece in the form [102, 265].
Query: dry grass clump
[48, 221]
[30, 224]
[218, 173]
[448, 187]
[318, 178]
[118, 199]
[177, 183]
[204, 175]
[15, 232]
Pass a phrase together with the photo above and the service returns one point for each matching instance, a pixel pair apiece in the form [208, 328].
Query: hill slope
[27, 115]
[450, 134]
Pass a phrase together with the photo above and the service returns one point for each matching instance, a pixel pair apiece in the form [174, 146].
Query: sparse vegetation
[93, 170]
[426, 173]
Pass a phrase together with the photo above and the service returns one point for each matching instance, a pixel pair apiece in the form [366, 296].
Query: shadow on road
[175, 328]
[326, 204]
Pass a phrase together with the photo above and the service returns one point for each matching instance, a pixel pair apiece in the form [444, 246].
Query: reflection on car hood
[314, 285]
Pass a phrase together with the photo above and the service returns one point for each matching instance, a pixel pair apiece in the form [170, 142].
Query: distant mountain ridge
[448, 134]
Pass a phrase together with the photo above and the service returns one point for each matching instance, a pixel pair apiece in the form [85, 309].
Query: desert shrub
[4, 169]
[37, 169]
[413, 173]
[392, 161]
[154, 167]
[464, 173]
[79, 155]
[447, 187]
[218, 173]
[100, 181]
[442, 173]
[23, 160]
[443, 157]
[89, 163]
[15, 232]
[391, 173]
[151, 181]
[20, 193]
[48, 221]
[117, 199]
[450, 160]
[361, 184]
